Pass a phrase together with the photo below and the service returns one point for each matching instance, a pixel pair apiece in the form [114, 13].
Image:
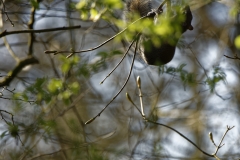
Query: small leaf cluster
[186, 77]
[218, 76]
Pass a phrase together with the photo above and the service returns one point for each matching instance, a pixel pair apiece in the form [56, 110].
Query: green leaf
[55, 85]
[66, 94]
[218, 75]
[81, 4]
[74, 87]
[65, 67]
[113, 4]
[3, 134]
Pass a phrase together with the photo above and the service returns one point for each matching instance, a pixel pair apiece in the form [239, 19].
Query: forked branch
[125, 83]
[176, 131]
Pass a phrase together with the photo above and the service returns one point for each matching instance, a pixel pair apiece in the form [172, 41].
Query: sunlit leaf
[54, 85]
[81, 4]
[237, 42]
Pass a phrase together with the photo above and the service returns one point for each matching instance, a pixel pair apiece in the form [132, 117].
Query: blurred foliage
[218, 76]
[50, 109]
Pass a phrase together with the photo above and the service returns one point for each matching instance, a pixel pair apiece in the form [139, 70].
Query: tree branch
[20, 65]
[5, 33]
[235, 57]
[125, 83]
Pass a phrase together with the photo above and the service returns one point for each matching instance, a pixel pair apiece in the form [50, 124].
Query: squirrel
[151, 54]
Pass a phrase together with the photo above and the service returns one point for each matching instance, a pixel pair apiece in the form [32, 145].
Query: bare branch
[125, 83]
[7, 113]
[118, 63]
[140, 96]
[5, 33]
[181, 136]
[20, 65]
[220, 143]
[143, 116]
[4, 11]
[235, 57]
[10, 49]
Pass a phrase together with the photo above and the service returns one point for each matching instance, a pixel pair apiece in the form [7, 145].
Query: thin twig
[4, 11]
[235, 57]
[130, 99]
[9, 123]
[80, 146]
[204, 70]
[87, 50]
[9, 48]
[220, 143]
[18, 99]
[12, 74]
[140, 95]
[31, 37]
[125, 83]
[119, 62]
[5, 33]
[7, 113]
[181, 136]
[147, 120]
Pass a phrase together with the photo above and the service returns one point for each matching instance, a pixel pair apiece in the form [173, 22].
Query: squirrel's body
[157, 55]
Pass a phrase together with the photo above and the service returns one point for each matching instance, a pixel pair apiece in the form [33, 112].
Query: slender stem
[219, 146]
[102, 44]
[140, 96]
[119, 62]
[235, 57]
[5, 33]
[125, 83]
[143, 116]
[9, 48]
[181, 136]
[4, 11]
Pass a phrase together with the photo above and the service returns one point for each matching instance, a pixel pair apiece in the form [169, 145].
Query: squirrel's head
[186, 25]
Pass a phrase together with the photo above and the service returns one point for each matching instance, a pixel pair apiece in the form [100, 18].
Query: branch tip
[90, 121]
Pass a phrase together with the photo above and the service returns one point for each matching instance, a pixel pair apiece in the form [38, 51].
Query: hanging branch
[150, 14]
[125, 83]
[119, 62]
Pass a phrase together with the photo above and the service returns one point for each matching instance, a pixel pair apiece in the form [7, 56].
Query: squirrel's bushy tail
[141, 7]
